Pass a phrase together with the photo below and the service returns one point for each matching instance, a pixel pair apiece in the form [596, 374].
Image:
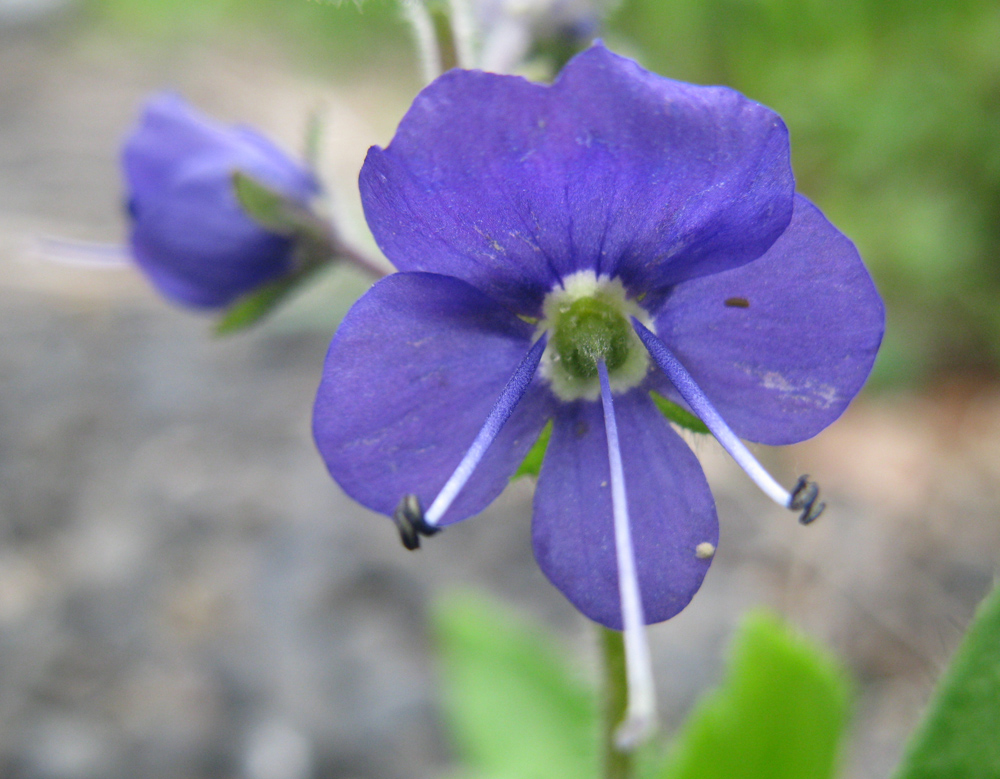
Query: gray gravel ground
[185, 593]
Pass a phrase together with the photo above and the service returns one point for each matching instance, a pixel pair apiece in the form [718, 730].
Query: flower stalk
[422, 27]
[617, 762]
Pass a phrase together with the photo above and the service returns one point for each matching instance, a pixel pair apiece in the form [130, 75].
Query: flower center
[588, 330]
[588, 319]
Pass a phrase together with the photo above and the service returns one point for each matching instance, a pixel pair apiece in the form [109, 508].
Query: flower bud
[189, 234]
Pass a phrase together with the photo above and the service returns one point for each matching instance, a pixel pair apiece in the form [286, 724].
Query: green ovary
[587, 330]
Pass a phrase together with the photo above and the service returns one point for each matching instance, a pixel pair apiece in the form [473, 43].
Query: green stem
[617, 764]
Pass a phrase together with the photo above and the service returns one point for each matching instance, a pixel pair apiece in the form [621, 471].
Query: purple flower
[565, 250]
[188, 232]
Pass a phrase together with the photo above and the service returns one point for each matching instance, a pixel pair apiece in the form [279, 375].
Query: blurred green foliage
[532, 463]
[780, 713]
[960, 736]
[516, 710]
[329, 37]
[894, 112]
[893, 108]
[513, 705]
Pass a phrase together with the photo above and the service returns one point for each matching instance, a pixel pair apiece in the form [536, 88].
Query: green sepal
[780, 713]
[960, 734]
[314, 249]
[531, 465]
[251, 308]
[275, 212]
[677, 415]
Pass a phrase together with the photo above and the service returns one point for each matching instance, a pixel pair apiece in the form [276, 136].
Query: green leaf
[531, 465]
[779, 713]
[678, 415]
[960, 735]
[514, 708]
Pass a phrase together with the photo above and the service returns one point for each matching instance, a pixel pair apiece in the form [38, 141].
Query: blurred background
[184, 593]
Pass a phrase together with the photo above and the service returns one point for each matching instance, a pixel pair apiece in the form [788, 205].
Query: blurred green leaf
[960, 735]
[333, 38]
[895, 126]
[314, 139]
[678, 415]
[515, 709]
[779, 714]
[532, 463]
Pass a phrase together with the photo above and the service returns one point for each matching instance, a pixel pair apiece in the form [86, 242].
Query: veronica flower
[188, 233]
[564, 251]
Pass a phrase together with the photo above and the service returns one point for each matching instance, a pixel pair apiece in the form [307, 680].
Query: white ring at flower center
[576, 286]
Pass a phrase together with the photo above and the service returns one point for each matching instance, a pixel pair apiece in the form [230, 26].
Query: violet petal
[410, 377]
[670, 506]
[782, 345]
[512, 185]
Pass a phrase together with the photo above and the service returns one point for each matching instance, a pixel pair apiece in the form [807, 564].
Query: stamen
[409, 519]
[512, 393]
[806, 492]
[640, 715]
[804, 497]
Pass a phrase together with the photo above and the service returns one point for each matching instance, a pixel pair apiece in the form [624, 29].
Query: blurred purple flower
[568, 250]
[188, 232]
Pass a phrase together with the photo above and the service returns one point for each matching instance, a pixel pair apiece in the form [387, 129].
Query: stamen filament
[640, 714]
[805, 494]
[511, 395]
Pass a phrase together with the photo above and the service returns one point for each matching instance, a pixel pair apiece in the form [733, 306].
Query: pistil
[805, 496]
[640, 714]
[588, 319]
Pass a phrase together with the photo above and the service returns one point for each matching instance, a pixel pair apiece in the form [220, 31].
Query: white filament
[693, 395]
[640, 713]
[511, 395]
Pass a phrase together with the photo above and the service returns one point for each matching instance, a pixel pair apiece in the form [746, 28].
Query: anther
[409, 519]
[804, 497]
